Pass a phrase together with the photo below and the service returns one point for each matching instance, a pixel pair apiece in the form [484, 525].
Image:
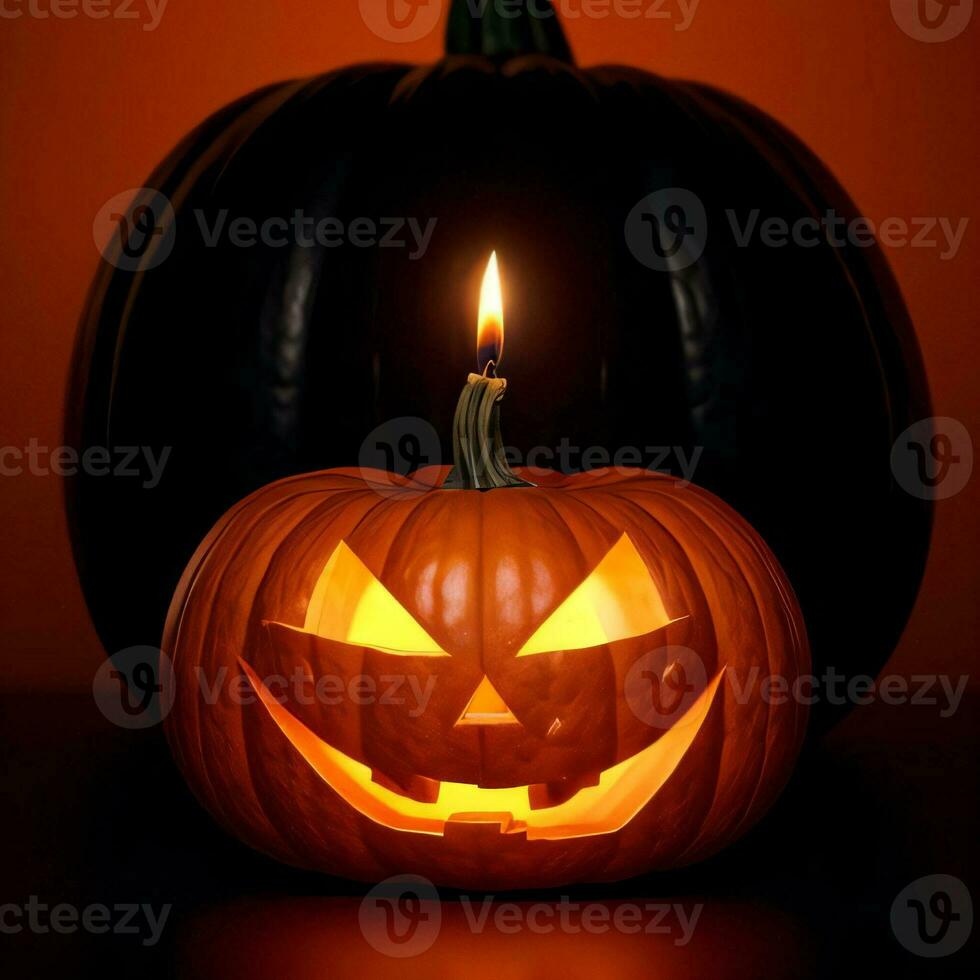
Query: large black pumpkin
[794, 368]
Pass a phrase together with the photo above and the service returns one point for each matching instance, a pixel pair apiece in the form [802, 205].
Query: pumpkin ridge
[563, 521]
[746, 811]
[498, 35]
[185, 588]
[626, 502]
[622, 501]
[199, 735]
[780, 579]
[415, 514]
[285, 841]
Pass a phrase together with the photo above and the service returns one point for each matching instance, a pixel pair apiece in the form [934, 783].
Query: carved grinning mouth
[620, 793]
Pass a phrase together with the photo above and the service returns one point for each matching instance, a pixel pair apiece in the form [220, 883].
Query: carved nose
[486, 707]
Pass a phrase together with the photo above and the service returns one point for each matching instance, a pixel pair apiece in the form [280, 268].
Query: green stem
[478, 450]
[506, 29]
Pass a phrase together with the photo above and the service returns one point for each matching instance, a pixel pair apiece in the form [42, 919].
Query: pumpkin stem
[478, 450]
[506, 29]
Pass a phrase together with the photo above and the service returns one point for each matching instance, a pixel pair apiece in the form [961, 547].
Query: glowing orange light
[617, 600]
[351, 606]
[621, 792]
[490, 326]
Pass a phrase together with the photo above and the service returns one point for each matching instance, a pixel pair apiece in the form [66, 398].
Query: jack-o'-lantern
[488, 677]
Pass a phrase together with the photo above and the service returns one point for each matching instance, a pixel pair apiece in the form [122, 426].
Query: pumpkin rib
[747, 811]
[620, 498]
[814, 181]
[210, 653]
[786, 168]
[611, 493]
[738, 564]
[316, 514]
[182, 596]
[211, 647]
[311, 516]
[175, 185]
[800, 648]
[614, 494]
[413, 516]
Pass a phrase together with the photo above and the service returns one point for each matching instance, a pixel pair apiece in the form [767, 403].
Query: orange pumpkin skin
[479, 572]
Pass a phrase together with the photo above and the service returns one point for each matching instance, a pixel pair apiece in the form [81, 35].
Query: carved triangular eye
[617, 600]
[350, 605]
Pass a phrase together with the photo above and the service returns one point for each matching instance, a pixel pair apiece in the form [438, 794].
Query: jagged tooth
[419, 788]
[515, 826]
[542, 795]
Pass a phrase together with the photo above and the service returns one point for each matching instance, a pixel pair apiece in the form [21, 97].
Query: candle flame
[490, 326]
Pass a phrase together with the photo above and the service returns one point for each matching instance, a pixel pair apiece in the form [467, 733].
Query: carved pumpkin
[771, 363]
[583, 649]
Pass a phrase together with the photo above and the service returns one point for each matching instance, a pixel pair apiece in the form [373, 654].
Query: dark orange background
[88, 107]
